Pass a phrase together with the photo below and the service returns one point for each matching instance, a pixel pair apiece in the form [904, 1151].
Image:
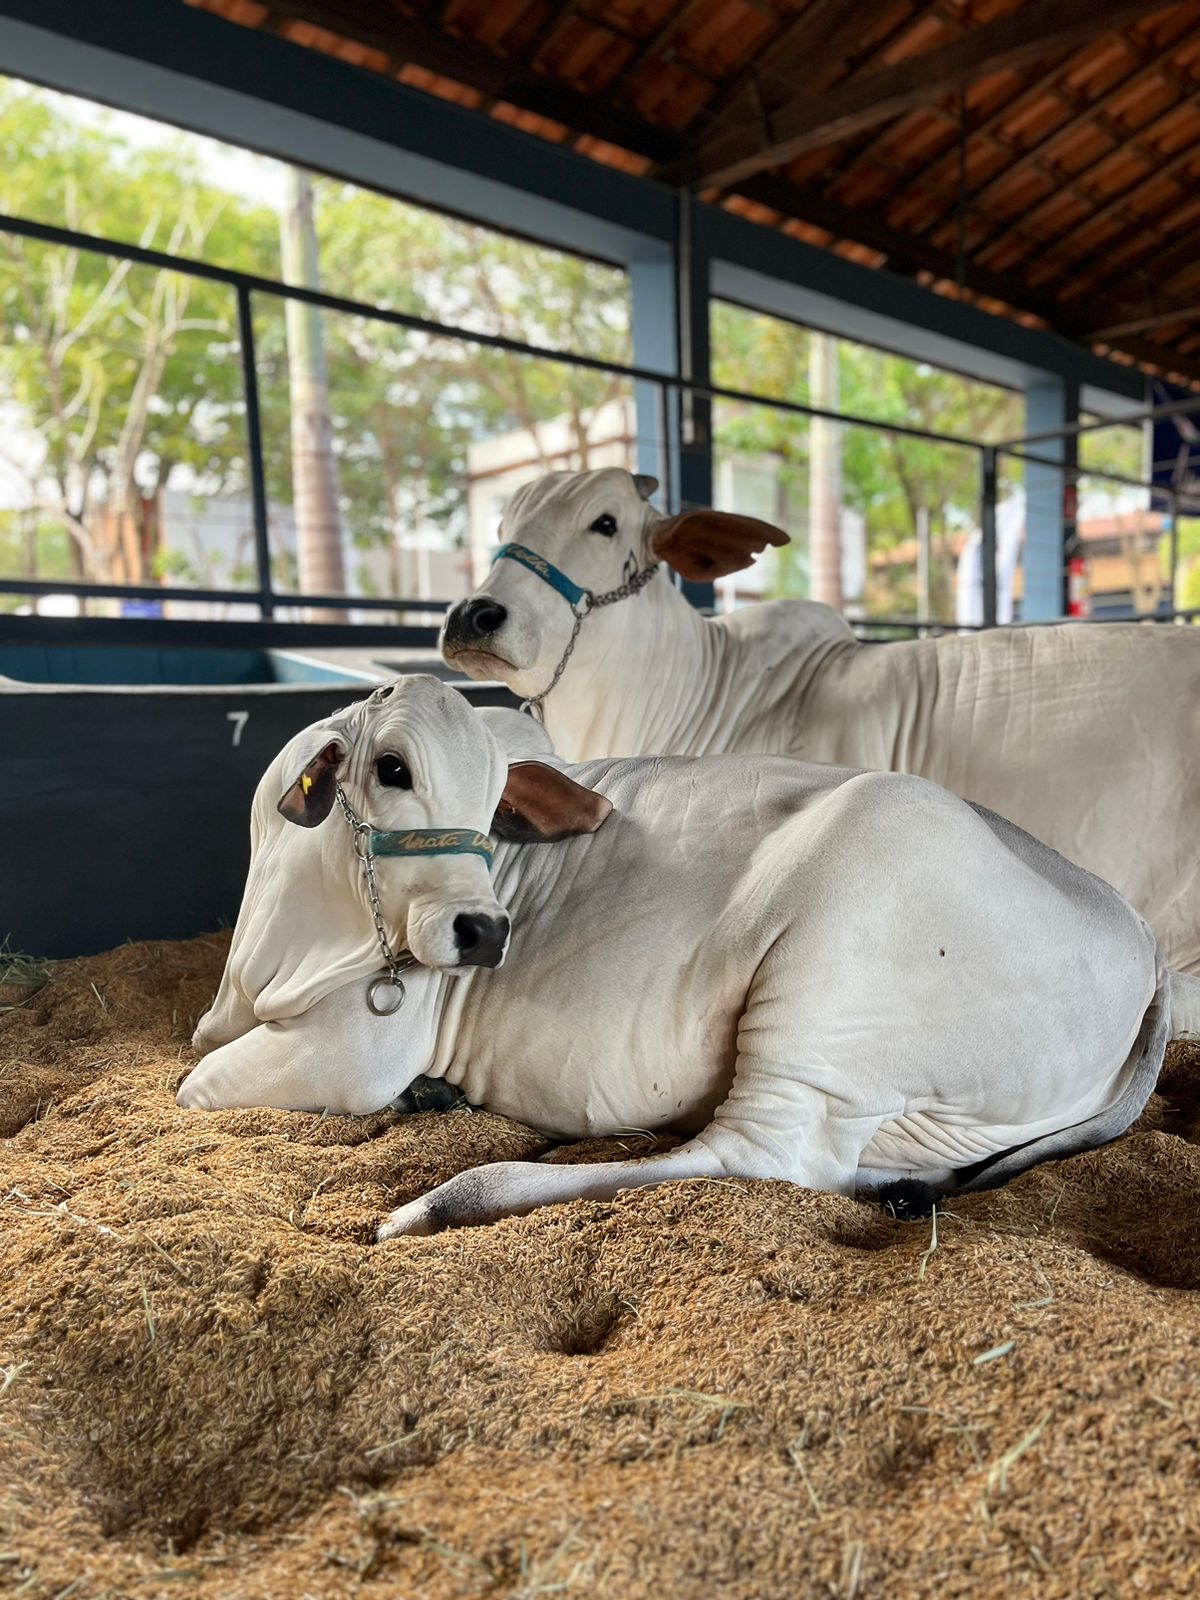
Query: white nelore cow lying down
[1086, 736]
[838, 978]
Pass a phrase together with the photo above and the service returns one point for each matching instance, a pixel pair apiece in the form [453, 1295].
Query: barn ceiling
[1037, 157]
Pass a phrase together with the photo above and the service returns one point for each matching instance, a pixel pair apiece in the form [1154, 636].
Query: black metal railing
[267, 596]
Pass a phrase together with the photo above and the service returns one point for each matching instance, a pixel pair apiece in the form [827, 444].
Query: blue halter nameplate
[545, 570]
[431, 842]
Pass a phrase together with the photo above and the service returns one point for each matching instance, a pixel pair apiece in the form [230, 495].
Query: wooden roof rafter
[823, 30]
[559, 20]
[1083, 138]
[1027, 98]
[407, 40]
[861, 158]
[985, 128]
[1147, 65]
[1075, 184]
[1171, 270]
[654, 44]
[1060, 250]
[1017, 37]
[1082, 113]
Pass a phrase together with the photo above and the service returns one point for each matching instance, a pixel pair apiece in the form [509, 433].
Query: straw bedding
[213, 1384]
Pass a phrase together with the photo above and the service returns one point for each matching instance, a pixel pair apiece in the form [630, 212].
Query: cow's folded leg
[338, 1057]
[780, 1121]
[511, 1188]
[773, 1124]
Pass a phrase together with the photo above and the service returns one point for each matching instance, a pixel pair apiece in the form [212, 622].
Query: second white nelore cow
[842, 979]
[1088, 736]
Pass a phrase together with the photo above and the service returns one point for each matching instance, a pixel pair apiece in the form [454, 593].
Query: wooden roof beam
[824, 31]
[1038, 29]
[986, 128]
[1134, 142]
[1053, 250]
[555, 24]
[653, 45]
[1147, 65]
[907, 253]
[1171, 268]
[871, 150]
[412, 41]
[1145, 324]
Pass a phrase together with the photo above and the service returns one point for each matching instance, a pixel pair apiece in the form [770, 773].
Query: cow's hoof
[429, 1094]
[908, 1199]
[413, 1220]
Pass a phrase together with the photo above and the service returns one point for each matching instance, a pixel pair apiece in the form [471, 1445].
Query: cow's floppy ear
[541, 804]
[310, 798]
[702, 545]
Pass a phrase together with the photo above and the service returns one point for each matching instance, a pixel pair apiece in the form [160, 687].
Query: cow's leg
[770, 1126]
[806, 1123]
[511, 1188]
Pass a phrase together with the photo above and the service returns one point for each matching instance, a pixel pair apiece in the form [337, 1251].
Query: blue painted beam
[1047, 525]
[774, 272]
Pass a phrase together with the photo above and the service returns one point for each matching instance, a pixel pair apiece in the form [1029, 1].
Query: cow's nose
[472, 620]
[481, 939]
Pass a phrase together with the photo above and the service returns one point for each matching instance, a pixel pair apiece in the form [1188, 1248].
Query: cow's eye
[606, 524]
[392, 772]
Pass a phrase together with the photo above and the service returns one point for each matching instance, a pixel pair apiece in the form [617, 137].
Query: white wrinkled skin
[826, 976]
[305, 926]
[1087, 736]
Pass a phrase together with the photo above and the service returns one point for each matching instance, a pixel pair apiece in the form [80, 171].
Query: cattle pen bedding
[212, 1383]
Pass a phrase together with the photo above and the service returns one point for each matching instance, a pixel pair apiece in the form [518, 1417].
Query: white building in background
[496, 467]
[212, 541]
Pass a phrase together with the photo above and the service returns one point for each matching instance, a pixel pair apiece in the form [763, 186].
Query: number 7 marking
[239, 720]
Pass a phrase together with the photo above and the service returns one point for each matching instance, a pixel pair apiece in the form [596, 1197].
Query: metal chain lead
[535, 705]
[395, 964]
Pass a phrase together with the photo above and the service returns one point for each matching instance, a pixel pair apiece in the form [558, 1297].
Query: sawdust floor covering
[214, 1384]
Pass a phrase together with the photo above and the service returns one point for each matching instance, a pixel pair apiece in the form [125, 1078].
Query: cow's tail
[911, 1198]
[1185, 1006]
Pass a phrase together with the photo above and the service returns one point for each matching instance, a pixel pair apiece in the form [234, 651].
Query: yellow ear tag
[305, 783]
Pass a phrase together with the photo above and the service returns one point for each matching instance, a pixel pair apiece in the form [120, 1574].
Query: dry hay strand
[213, 1384]
[21, 976]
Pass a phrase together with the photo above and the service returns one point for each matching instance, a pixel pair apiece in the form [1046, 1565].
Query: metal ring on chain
[390, 981]
[361, 835]
[535, 704]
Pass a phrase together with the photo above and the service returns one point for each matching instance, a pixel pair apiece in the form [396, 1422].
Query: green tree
[118, 372]
[410, 403]
[887, 478]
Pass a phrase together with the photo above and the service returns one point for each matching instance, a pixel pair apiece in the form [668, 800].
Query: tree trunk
[923, 589]
[314, 469]
[824, 476]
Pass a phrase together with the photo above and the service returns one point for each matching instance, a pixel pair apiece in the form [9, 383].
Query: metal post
[668, 404]
[1173, 508]
[923, 602]
[695, 483]
[258, 480]
[987, 527]
[1051, 496]
[653, 288]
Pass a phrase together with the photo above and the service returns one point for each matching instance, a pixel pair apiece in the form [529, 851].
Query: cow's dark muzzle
[471, 623]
